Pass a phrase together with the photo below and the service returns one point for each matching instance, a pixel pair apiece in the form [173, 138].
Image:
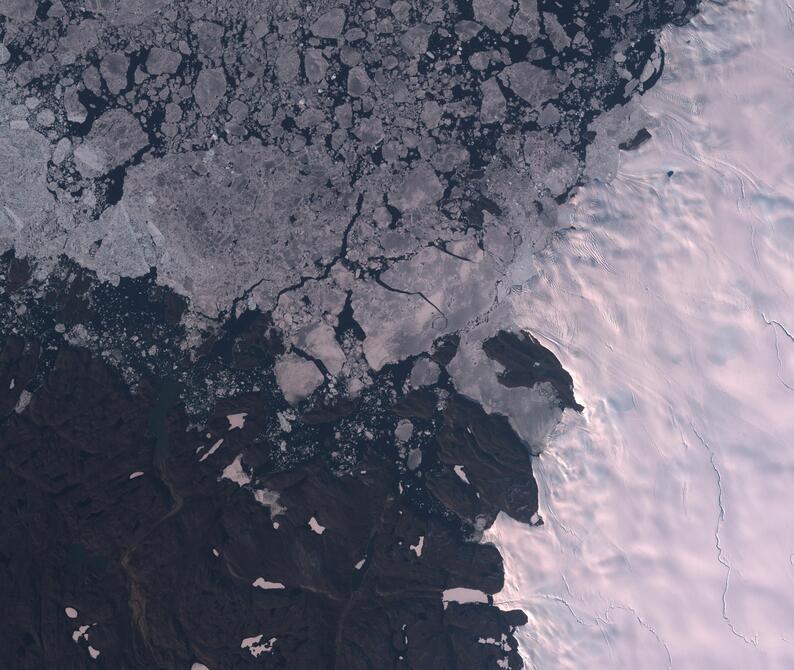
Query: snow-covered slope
[669, 535]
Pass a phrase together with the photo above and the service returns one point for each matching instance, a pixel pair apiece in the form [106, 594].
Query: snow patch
[316, 527]
[234, 472]
[236, 421]
[253, 645]
[269, 498]
[211, 451]
[463, 595]
[460, 471]
[262, 583]
[80, 633]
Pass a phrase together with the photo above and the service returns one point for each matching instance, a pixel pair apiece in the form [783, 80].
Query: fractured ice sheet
[264, 191]
[432, 293]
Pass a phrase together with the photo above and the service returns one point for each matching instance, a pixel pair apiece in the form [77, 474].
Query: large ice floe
[668, 539]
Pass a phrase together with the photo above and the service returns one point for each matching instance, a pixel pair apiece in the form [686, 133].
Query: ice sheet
[669, 537]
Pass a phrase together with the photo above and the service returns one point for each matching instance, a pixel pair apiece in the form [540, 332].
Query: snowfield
[669, 536]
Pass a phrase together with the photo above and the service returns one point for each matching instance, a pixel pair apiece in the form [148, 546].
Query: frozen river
[669, 536]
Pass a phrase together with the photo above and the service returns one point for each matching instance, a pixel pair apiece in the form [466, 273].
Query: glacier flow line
[773, 323]
[718, 541]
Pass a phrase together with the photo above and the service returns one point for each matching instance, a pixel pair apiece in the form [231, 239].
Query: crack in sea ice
[718, 541]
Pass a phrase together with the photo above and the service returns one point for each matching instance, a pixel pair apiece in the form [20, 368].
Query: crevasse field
[669, 537]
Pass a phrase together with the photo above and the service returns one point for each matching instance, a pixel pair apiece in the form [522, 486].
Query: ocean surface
[668, 539]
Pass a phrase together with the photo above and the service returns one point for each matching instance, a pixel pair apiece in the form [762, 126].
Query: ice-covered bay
[669, 535]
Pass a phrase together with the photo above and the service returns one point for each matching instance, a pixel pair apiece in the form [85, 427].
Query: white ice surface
[262, 583]
[235, 472]
[463, 595]
[316, 527]
[460, 471]
[211, 450]
[669, 536]
[297, 377]
[253, 645]
[236, 420]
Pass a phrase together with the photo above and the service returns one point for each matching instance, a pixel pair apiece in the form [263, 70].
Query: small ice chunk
[162, 61]
[284, 421]
[404, 430]
[360, 564]
[236, 420]
[297, 377]
[419, 188]
[23, 402]
[209, 89]
[262, 583]
[94, 652]
[316, 527]
[417, 548]
[61, 151]
[199, 666]
[414, 459]
[136, 474]
[357, 81]
[319, 341]
[113, 69]
[71, 612]
[330, 24]
[424, 373]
